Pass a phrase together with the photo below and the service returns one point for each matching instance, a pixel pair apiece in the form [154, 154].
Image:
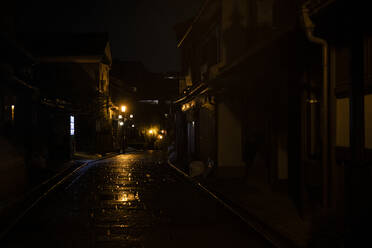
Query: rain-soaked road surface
[131, 200]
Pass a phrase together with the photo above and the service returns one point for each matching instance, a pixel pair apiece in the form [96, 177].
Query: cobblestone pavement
[131, 200]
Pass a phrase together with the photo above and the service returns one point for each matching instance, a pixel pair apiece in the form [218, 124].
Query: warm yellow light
[151, 131]
[127, 197]
[120, 117]
[123, 108]
[160, 136]
[121, 123]
[132, 125]
[163, 131]
[313, 101]
[123, 198]
[13, 112]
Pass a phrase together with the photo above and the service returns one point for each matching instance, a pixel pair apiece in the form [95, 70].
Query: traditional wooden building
[75, 68]
[263, 97]
[342, 31]
[18, 98]
[238, 63]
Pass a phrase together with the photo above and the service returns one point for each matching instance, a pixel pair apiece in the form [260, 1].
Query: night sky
[139, 30]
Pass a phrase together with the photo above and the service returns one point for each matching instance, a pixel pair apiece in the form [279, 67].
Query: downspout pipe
[309, 29]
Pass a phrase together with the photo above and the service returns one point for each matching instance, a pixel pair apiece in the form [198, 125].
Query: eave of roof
[195, 91]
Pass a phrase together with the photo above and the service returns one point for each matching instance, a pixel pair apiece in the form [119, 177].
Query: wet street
[131, 200]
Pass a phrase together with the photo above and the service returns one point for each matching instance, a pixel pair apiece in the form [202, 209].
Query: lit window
[13, 107]
[72, 125]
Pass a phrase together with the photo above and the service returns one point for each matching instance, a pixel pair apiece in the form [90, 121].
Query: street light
[123, 118]
[123, 108]
[131, 116]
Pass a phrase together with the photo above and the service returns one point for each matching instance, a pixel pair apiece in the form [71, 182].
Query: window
[72, 125]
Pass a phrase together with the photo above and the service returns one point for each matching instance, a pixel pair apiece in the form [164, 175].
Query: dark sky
[138, 29]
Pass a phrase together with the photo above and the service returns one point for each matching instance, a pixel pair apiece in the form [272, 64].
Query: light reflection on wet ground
[132, 200]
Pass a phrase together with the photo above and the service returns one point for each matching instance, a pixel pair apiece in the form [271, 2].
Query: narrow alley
[131, 200]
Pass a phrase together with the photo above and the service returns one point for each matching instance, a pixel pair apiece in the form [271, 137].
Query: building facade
[18, 123]
[278, 93]
[74, 68]
[236, 58]
[342, 31]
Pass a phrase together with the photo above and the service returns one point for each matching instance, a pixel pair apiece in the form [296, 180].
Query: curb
[271, 236]
[60, 178]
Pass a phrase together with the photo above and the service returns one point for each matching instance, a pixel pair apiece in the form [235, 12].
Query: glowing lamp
[123, 108]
